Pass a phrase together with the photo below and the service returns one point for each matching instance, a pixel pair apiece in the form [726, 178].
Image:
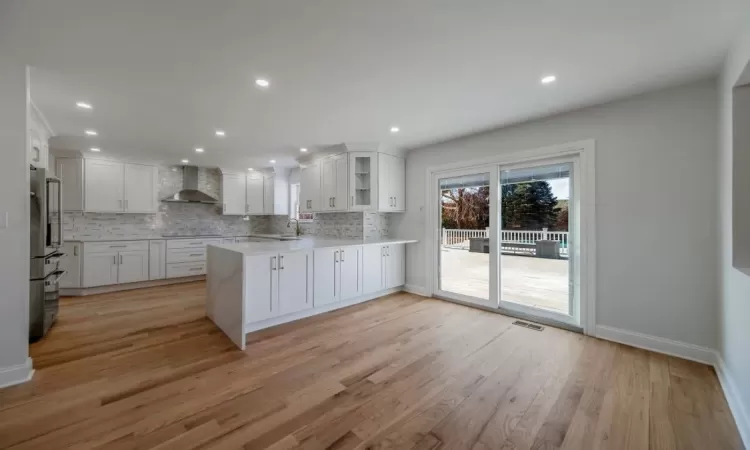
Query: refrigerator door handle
[58, 243]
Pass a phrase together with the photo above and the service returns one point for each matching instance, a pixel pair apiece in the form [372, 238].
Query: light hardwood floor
[145, 369]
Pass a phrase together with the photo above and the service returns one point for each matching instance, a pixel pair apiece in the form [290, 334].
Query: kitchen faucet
[289, 224]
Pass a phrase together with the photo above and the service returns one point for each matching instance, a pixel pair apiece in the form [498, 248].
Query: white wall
[734, 288]
[656, 163]
[14, 201]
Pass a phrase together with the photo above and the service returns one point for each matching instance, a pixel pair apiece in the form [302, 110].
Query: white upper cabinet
[310, 195]
[254, 193]
[334, 175]
[70, 172]
[100, 185]
[233, 194]
[391, 183]
[103, 182]
[363, 177]
[140, 188]
[268, 194]
[353, 181]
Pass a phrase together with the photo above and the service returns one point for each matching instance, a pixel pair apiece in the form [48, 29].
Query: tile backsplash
[202, 219]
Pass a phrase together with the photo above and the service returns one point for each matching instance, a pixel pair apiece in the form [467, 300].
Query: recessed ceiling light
[185, 161]
[549, 79]
[262, 82]
[273, 161]
[303, 149]
[395, 129]
[95, 149]
[199, 150]
[249, 168]
[220, 133]
[84, 105]
[91, 132]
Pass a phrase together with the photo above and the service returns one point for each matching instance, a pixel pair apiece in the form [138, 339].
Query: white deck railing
[460, 238]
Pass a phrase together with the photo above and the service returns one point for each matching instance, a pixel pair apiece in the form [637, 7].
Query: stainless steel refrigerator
[46, 244]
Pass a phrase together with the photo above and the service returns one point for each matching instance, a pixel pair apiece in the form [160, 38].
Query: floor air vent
[531, 326]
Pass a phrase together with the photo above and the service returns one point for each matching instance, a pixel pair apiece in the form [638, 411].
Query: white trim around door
[585, 186]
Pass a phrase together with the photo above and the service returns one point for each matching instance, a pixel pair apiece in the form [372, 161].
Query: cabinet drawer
[186, 269]
[116, 246]
[177, 255]
[191, 243]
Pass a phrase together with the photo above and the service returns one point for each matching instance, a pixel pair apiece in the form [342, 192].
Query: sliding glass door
[536, 240]
[466, 251]
[506, 238]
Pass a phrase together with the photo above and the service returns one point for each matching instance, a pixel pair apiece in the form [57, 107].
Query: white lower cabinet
[372, 268]
[132, 266]
[71, 263]
[338, 274]
[100, 269]
[383, 267]
[277, 284]
[350, 271]
[295, 282]
[157, 260]
[395, 265]
[115, 262]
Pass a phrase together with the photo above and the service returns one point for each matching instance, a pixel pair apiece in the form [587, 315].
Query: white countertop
[75, 238]
[306, 243]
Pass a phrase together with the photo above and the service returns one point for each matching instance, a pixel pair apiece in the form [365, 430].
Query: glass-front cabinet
[363, 178]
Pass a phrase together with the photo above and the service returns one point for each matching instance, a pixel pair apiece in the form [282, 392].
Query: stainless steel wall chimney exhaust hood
[189, 192]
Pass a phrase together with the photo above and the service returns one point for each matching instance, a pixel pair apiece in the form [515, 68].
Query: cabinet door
[233, 194]
[310, 193]
[350, 274]
[71, 263]
[398, 183]
[385, 193]
[363, 180]
[294, 282]
[341, 190]
[395, 264]
[132, 266]
[254, 193]
[268, 194]
[261, 286]
[327, 183]
[326, 276]
[157, 260]
[104, 186]
[70, 172]
[100, 269]
[140, 188]
[372, 269]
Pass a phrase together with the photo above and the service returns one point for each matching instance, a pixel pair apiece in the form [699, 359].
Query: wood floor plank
[145, 369]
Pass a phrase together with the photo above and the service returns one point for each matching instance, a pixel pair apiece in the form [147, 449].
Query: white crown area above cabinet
[348, 178]
[107, 186]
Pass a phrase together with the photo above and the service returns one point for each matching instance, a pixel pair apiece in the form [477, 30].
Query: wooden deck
[144, 369]
[530, 281]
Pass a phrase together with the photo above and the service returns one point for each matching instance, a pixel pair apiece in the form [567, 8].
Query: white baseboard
[683, 350]
[740, 413]
[418, 290]
[17, 374]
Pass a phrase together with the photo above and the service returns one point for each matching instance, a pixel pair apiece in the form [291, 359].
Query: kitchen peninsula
[257, 285]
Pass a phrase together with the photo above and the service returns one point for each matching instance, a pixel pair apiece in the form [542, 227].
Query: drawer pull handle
[117, 246]
[196, 254]
[196, 268]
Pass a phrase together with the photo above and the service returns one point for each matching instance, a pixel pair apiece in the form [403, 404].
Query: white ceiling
[163, 75]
